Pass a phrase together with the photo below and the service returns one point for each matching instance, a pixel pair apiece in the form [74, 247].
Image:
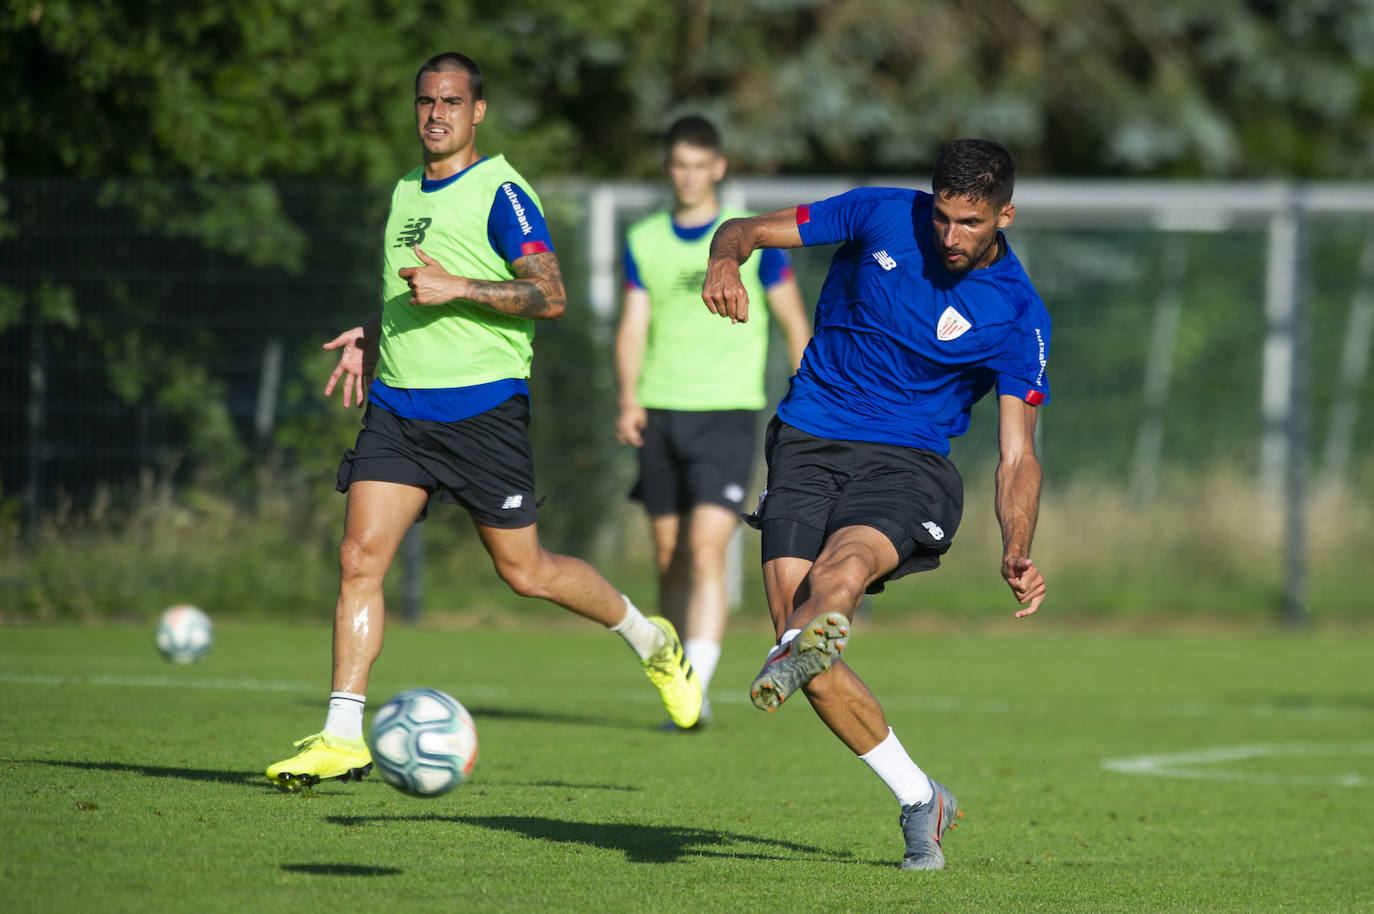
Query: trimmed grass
[135, 785]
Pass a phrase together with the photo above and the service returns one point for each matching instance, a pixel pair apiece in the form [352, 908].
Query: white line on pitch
[158, 682]
[1184, 764]
[176, 682]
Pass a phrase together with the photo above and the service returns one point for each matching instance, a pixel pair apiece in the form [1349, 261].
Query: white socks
[345, 717]
[703, 654]
[782, 643]
[639, 633]
[889, 761]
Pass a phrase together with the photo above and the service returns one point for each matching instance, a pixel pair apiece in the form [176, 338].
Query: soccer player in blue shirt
[925, 309]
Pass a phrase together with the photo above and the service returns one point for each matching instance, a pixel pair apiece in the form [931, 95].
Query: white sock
[703, 654]
[345, 717]
[639, 633]
[889, 761]
[782, 643]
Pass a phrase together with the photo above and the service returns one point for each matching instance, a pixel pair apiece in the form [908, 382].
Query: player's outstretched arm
[537, 292]
[358, 361]
[1018, 500]
[731, 245]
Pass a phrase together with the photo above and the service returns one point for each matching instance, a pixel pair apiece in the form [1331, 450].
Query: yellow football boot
[671, 673]
[323, 756]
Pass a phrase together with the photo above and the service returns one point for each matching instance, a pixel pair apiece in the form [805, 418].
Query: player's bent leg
[845, 704]
[532, 571]
[924, 826]
[322, 756]
[852, 558]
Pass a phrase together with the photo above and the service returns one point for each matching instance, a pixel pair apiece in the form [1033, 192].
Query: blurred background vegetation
[191, 200]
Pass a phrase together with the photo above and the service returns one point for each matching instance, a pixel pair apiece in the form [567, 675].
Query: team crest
[952, 325]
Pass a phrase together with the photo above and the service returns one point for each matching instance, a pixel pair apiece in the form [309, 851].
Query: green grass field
[1243, 777]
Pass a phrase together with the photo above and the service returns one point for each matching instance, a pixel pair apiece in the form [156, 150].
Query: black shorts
[483, 463]
[693, 458]
[816, 486]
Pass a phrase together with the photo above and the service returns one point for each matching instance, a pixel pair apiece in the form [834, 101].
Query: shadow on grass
[160, 771]
[1297, 703]
[639, 843]
[563, 785]
[492, 712]
[253, 779]
[340, 869]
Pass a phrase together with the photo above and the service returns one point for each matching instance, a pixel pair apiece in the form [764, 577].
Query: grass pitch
[1098, 774]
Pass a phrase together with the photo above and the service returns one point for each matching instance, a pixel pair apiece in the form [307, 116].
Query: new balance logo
[413, 233]
[690, 281]
[936, 532]
[512, 501]
[884, 260]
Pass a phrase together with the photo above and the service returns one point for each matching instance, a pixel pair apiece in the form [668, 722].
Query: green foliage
[250, 90]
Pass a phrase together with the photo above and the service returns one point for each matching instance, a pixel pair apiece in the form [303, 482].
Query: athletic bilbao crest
[952, 326]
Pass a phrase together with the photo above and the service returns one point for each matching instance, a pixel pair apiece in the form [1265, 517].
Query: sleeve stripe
[534, 247]
[784, 274]
[803, 214]
[1034, 397]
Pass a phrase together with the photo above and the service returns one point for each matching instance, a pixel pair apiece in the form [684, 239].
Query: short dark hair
[694, 131]
[977, 169]
[453, 62]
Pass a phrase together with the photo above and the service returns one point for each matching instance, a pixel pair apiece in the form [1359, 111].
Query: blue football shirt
[902, 347]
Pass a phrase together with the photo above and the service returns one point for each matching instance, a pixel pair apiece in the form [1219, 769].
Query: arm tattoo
[537, 293]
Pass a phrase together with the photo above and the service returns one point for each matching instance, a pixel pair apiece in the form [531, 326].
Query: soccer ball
[423, 742]
[184, 634]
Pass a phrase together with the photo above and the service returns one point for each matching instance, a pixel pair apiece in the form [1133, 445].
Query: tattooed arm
[537, 292]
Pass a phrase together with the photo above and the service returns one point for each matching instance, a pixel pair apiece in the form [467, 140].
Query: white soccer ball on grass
[184, 634]
[423, 742]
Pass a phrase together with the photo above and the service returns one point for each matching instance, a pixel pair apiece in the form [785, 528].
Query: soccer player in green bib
[468, 269]
[691, 389]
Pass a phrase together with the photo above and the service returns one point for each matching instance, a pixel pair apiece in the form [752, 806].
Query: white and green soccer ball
[184, 634]
[423, 742]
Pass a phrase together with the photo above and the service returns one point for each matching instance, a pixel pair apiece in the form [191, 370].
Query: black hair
[694, 131]
[976, 169]
[453, 62]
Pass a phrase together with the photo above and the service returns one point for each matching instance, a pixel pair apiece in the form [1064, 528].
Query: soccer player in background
[925, 309]
[691, 388]
[468, 268]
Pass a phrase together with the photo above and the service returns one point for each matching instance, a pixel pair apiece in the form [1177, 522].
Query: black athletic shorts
[693, 458]
[913, 496]
[483, 463]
